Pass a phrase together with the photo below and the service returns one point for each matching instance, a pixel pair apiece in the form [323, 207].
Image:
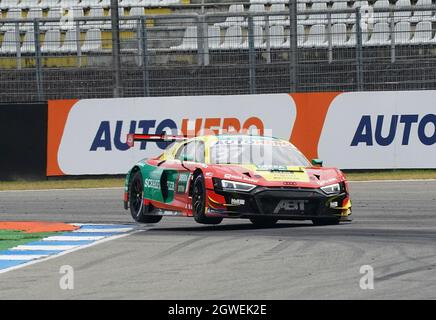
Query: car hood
[309, 177]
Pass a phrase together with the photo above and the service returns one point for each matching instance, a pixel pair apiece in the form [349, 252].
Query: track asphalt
[394, 231]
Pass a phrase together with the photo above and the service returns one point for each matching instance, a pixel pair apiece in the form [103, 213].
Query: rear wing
[132, 137]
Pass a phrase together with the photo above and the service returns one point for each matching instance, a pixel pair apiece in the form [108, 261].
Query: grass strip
[13, 238]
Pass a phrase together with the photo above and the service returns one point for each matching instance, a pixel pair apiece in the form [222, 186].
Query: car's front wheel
[199, 202]
[138, 210]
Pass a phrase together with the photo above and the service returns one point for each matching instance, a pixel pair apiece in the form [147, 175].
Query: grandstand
[63, 48]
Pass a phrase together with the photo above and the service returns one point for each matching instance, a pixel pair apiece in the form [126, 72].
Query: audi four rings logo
[289, 183]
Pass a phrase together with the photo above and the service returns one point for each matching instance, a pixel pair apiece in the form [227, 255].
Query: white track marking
[72, 238]
[22, 256]
[45, 248]
[115, 230]
[70, 251]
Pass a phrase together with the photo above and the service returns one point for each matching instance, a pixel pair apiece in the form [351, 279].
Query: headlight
[331, 189]
[236, 186]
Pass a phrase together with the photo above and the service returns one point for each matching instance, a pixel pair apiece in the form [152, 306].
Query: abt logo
[290, 205]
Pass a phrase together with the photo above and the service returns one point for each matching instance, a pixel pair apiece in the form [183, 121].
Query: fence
[243, 52]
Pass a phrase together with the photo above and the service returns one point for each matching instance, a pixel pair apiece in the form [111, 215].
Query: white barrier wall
[364, 130]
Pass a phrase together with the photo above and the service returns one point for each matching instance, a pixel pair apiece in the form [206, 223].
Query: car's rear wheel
[138, 210]
[263, 221]
[199, 202]
[325, 221]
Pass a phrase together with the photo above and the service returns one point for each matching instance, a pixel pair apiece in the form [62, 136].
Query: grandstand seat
[230, 21]
[28, 45]
[27, 4]
[190, 41]
[168, 2]
[52, 14]
[268, 1]
[402, 15]
[123, 24]
[422, 15]
[360, 3]
[300, 37]
[48, 4]
[68, 21]
[259, 41]
[52, 41]
[34, 13]
[339, 34]
[402, 32]
[9, 44]
[380, 35]
[316, 37]
[302, 12]
[9, 4]
[105, 4]
[381, 16]
[214, 37]
[90, 4]
[339, 17]
[278, 20]
[124, 3]
[136, 11]
[352, 40]
[149, 3]
[95, 12]
[12, 14]
[70, 42]
[69, 3]
[277, 36]
[232, 38]
[93, 42]
[423, 33]
[132, 24]
[317, 18]
[357, 4]
[257, 20]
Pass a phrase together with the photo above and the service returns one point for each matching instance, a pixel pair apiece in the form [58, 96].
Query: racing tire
[264, 222]
[199, 202]
[325, 221]
[138, 210]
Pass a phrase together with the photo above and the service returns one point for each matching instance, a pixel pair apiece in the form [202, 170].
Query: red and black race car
[212, 177]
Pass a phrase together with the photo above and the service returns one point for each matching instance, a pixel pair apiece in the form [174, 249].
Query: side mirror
[317, 162]
[187, 157]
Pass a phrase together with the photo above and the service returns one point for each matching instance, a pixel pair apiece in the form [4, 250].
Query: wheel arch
[129, 176]
[135, 169]
[195, 174]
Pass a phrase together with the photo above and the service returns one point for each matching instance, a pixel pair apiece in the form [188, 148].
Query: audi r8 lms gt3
[210, 177]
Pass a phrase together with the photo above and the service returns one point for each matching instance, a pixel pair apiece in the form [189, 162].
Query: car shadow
[229, 227]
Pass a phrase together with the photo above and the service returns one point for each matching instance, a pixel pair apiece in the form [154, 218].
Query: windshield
[257, 151]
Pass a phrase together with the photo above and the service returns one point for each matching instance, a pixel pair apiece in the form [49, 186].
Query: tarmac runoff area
[393, 232]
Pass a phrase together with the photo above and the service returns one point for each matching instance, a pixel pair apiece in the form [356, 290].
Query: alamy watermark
[367, 280]
[66, 282]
